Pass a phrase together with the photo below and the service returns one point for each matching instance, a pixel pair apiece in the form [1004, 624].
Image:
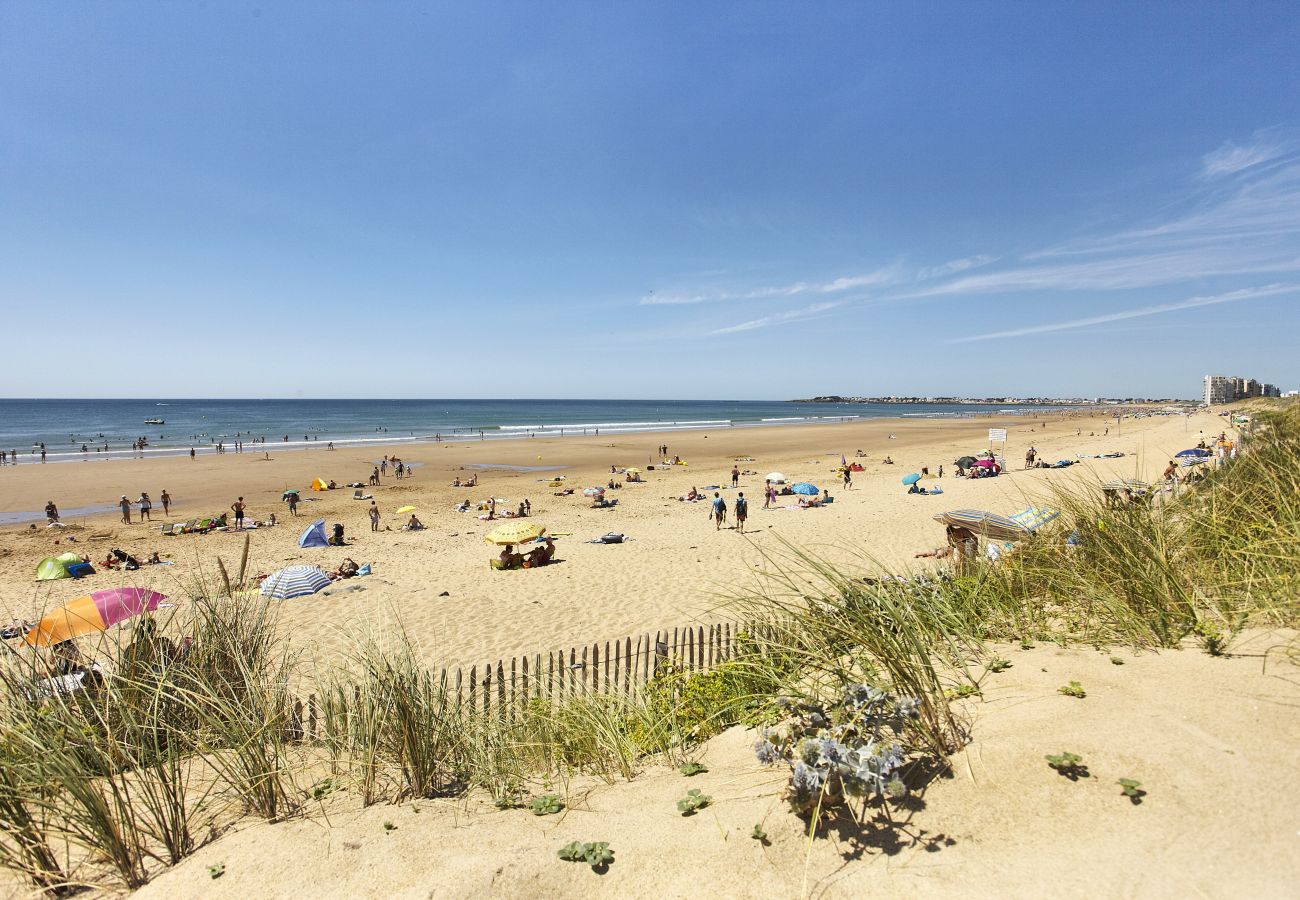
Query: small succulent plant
[1132, 789]
[1073, 689]
[1068, 764]
[693, 802]
[596, 854]
[545, 805]
[692, 768]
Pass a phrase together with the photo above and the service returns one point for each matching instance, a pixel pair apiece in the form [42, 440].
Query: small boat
[155, 422]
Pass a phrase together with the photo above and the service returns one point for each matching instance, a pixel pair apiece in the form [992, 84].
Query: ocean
[109, 428]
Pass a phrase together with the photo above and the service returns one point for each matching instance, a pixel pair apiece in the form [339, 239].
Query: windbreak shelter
[315, 535]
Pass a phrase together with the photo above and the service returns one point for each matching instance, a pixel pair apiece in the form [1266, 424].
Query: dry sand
[1213, 741]
[673, 570]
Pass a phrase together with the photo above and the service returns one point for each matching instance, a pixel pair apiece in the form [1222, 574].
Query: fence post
[473, 690]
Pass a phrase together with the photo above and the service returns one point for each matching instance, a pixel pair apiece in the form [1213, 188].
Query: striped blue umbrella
[1034, 517]
[985, 524]
[805, 488]
[294, 581]
[1195, 451]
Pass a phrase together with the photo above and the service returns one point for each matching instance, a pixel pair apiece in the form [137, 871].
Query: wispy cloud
[1246, 227]
[1271, 290]
[879, 278]
[780, 318]
[953, 266]
[1265, 146]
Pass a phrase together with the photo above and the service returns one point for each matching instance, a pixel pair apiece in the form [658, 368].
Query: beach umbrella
[985, 524]
[286, 494]
[593, 491]
[515, 533]
[1125, 484]
[775, 477]
[406, 509]
[1195, 451]
[1035, 517]
[911, 479]
[984, 463]
[1192, 460]
[93, 612]
[806, 489]
[294, 581]
[964, 462]
[631, 471]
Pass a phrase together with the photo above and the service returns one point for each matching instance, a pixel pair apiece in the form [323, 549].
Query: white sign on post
[997, 434]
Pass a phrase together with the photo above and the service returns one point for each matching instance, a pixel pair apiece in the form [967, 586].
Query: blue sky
[647, 200]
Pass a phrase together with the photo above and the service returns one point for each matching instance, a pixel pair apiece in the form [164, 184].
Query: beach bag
[612, 538]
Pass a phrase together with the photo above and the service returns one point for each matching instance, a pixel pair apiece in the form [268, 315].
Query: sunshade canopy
[315, 535]
[405, 509]
[1195, 451]
[963, 461]
[911, 479]
[93, 612]
[593, 491]
[775, 478]
[985, 524]
[515, 533]
[806, 488]
[51, 568]
[294, 581]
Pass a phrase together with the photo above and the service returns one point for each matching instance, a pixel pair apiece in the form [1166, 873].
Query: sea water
[65, 426]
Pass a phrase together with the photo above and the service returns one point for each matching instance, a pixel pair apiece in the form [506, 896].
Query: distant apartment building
[1228, 389]
[1219, 389]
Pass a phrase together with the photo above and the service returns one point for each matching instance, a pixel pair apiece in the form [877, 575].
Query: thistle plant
[847, 750]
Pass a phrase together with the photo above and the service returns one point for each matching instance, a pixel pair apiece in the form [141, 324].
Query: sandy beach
[674, 569]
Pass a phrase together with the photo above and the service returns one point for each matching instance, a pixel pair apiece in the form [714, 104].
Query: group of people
[125, 504]
[538, 556]
[718, 511]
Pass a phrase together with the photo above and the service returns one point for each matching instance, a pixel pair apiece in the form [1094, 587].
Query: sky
[647, 200]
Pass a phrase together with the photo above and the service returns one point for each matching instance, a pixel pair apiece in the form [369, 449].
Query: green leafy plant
[962, 691]
[597, 854]
[1068, 764]
[1132, 789]
[545, 805]
[692, 768]
[1214, 637]
[216, 870]
[693, 802]
[323, 788]
[999, 664]
[389, 826]
[1026, 644]
[1073, 689]
[759, 834]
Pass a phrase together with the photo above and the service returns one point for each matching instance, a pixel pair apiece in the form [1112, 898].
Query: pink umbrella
[93, 612]
[985, 463]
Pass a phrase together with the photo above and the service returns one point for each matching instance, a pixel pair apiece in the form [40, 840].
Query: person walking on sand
[719, 511]
[166, 499]
[848, 478]
[238, 508]
[125, 506]
[145, 506]
[293, 504]
[51, 511]
[1030, 455]
[735, 476]
[742, 512]
[374, 516]
[767, 494]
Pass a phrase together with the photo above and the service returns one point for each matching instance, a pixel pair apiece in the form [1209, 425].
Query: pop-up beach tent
[320, 485]
[51, 568]
[314, 536]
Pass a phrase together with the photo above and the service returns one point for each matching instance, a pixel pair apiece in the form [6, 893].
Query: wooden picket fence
[620, 668]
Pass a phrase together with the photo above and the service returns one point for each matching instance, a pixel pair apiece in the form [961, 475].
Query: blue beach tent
[314, 536]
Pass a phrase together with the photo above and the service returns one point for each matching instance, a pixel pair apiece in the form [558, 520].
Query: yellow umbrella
[632, 470]
[406, 509]
[515, 533]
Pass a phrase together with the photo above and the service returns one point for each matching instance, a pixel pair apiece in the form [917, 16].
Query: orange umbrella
[93, 612]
